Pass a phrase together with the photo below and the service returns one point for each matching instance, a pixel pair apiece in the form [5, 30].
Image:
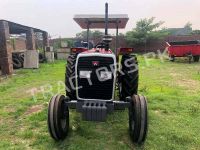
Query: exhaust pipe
[106, 19]
[107, 39]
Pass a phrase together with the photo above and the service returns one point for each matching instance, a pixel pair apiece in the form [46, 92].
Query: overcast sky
[56, 16]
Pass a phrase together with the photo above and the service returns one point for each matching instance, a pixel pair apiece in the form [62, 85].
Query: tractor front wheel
[138, 119]
[58, 118]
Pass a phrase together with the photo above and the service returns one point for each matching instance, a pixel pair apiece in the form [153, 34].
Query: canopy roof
[98, 21]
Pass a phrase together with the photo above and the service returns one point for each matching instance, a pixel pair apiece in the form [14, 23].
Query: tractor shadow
[112, 134]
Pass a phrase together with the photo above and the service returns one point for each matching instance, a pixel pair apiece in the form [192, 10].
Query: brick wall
[151, 46]
[5, 49]
[19, 44]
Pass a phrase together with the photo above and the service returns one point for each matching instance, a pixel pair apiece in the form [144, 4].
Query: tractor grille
[99, 89]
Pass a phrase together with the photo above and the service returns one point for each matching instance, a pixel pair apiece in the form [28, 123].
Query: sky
[56, 16]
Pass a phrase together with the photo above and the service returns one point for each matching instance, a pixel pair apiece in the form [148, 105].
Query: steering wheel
[100, 45]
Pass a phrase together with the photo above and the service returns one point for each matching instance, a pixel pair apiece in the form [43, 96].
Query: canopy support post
[116, 39]
[88, 29]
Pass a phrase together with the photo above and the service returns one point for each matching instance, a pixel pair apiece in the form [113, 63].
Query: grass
[172, 89]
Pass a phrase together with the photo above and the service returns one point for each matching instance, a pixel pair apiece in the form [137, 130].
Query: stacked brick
[5, 49]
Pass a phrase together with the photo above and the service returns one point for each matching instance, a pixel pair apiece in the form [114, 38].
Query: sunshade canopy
[98, 21]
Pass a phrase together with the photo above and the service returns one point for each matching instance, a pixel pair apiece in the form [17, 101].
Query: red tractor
[92, 78]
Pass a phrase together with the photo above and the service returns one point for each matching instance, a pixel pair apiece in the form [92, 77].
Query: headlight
[85, 74]
[105, 75]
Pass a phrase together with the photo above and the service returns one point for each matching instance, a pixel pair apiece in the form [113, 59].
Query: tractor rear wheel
[138, 119]
[70, 76]
[128, 82]
[58, 118]
[196, 58]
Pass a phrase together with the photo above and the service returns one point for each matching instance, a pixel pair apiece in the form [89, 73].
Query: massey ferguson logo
[95, 63]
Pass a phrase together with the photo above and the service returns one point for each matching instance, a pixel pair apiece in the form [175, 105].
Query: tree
[195, 32]
[188, 26]
[145, 31]
[92, 35]
[83, 35]
[97, 34]
[147, 25]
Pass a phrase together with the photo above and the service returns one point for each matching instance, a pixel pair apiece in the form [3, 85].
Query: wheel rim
[63, 120]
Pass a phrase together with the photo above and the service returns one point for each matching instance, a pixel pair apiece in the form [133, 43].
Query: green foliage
[83, 35]
[157, 35]
[145, 26]
[97, 34]
[57, 42]
[92, 35]
[69, 41]
[188, 26]
[195, 32]
[144, 32]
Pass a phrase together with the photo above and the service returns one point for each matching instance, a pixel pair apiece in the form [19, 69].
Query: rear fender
[124, 50]
[78, 50]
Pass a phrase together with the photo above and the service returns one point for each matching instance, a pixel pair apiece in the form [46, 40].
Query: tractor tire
[58, 118]
[138, 119]
[21, 58]
[196, 58]
[17, 64]
[128, 80]
[70, 72]
[172, 58]
[41, 58]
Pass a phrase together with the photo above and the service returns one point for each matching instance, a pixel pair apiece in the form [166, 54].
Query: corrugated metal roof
[98, 21]
[16, 28]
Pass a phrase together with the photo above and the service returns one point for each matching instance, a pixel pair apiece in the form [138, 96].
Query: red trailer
[190, 49]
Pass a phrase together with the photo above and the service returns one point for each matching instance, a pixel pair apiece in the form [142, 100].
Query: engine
[95, 76]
